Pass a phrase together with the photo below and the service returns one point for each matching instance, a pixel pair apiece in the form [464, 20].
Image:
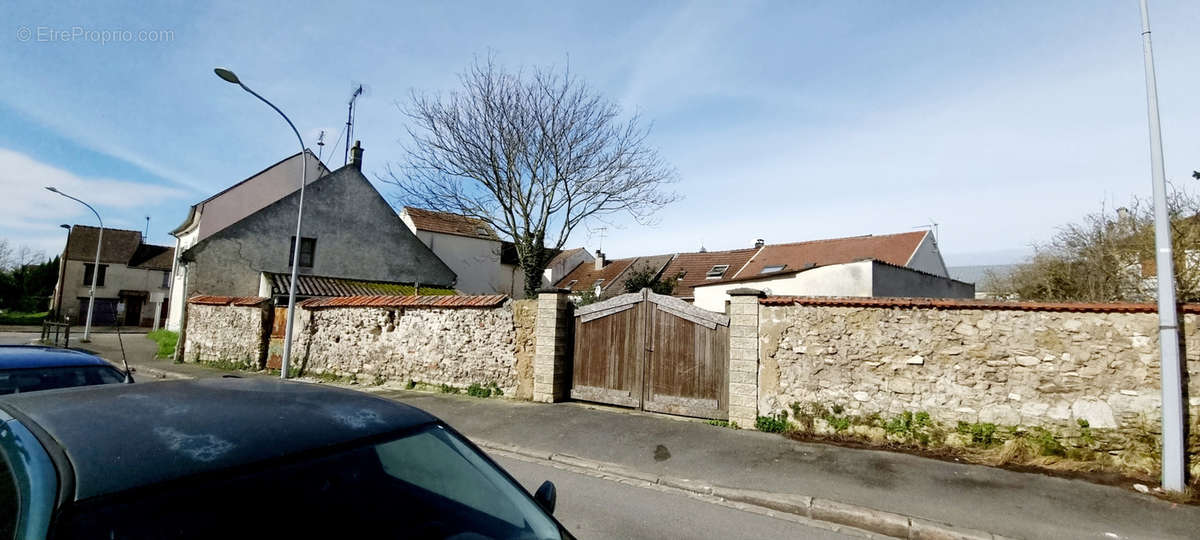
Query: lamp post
[229, 77]
[87, 324]
[62, 273]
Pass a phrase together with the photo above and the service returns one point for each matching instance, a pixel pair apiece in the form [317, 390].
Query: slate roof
[307, 285]
[894, 249]
[448, 223]
[120, 247]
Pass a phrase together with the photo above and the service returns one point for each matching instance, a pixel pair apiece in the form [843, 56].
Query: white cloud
[28, 210]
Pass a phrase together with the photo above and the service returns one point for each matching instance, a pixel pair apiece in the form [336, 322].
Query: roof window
[717, 271]
[772, 268]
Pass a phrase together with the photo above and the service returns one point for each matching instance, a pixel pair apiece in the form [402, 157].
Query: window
[572, 283]
[717, 271]
[773, 268]
[166, 284]
[89, 269]
[681, 274]
[426, 484]
[308, 247]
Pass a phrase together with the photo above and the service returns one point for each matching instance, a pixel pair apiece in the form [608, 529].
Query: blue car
[249, 458]
[29, 368]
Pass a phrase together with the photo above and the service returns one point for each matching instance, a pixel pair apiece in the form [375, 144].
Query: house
[484, 263]
[133, 277]
[606, 278]
[890, 265]
[239, 242]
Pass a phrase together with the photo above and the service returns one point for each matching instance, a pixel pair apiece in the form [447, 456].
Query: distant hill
[978, 273]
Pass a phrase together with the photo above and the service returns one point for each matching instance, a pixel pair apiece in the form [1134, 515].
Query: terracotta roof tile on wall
[209, 300]
[945, 303]
[695, 266]
[895, 249]
[485, 301]
[447, 223]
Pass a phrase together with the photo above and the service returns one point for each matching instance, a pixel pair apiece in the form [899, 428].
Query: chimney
[759, 243]
[600, 260]
[356, 155]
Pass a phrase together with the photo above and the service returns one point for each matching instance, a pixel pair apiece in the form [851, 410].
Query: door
[652, 352]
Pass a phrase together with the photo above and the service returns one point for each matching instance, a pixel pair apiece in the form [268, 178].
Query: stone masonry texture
[233, 336]
[456, 347]
[1007, 367]
[552, 340]
[743, 359]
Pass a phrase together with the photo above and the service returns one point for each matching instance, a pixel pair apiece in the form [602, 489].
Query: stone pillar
[551, 349]
[743, 356]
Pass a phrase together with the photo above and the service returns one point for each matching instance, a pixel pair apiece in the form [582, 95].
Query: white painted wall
[476, 261]
[183, 241]
[927, 258]
[117, 277]
[851, 279]
[562, 267]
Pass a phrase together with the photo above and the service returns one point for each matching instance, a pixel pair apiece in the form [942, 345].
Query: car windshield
[427, 484]
[44, 378]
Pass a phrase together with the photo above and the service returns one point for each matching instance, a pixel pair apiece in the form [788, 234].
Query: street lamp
[87, 324]
[229, 77]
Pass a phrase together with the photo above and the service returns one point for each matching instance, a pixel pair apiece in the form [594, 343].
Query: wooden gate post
[743, 356]
[552, 331]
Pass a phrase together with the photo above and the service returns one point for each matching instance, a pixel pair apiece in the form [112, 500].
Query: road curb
[819, 509]
[159, 373]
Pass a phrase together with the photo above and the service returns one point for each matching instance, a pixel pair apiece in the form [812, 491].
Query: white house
[133, 277]
[485, 264]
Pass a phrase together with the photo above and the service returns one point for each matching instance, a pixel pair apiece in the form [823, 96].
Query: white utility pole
[1173, 460]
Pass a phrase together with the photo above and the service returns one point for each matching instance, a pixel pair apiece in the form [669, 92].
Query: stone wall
[1012, 367]
[227, 332]
[525, 319]
[452, 346]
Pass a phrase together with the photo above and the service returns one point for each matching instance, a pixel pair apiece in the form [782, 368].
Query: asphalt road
[17, 338]
[593, 507]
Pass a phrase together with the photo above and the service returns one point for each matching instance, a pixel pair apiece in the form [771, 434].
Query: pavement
[890, 493]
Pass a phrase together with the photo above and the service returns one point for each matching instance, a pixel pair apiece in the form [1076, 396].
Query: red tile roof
[895, 249]
[448, 223]
[486, 301]
[695, 266]
[585, 275]
[946, 303]
[209, 300]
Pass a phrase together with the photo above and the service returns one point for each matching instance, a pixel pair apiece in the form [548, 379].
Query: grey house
[351, 240]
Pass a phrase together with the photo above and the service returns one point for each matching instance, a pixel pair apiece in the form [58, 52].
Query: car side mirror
[546, 496]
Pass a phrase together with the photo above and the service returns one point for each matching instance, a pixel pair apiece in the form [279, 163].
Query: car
[233, 457]
[28, 368]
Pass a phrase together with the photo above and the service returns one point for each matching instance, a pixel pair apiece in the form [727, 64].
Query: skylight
[717, 271]
[772, 268]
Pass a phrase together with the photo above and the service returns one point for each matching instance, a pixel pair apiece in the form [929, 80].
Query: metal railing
[57, 334]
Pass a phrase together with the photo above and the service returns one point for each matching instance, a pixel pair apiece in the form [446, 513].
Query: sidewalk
[648, 446]
[1012, 504]
[139, 352]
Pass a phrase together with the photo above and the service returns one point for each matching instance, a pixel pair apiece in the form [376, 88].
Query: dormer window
[481, 231]
[717, 271]
[773, 268]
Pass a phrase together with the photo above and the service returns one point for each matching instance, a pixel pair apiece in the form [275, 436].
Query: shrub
[475, 390]
[772, 424]
[983, 434]
[447, 389]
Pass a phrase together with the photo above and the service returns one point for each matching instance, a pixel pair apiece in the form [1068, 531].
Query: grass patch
[447, 389]
[23, 317]
[166, 341]
[722, 423]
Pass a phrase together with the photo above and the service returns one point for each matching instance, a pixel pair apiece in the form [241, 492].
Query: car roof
[34, 356]
[124, 436]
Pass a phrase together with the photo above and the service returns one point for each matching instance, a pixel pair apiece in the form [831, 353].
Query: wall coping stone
[432, 301]
[746, 291]
[951, 303]
[208, 300]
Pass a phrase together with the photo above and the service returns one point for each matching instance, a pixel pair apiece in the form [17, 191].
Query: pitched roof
[331, 286]
[448, 223]
[614, 273]
[152, 257]
[894, 249]
[564, 254]
[120, 247]
[690, 269]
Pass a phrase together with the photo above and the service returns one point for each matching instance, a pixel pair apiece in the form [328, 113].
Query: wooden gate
[652, 352]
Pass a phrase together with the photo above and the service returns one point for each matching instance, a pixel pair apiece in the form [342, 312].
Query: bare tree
[6, 256]
[532, 154]
[1109, 256]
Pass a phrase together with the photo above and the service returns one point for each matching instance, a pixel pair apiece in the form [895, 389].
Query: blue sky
[786, 120]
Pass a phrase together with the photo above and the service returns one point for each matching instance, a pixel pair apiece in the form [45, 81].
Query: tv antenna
[601, 232]
[932, 226]
[147, 233]
[358, 91]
